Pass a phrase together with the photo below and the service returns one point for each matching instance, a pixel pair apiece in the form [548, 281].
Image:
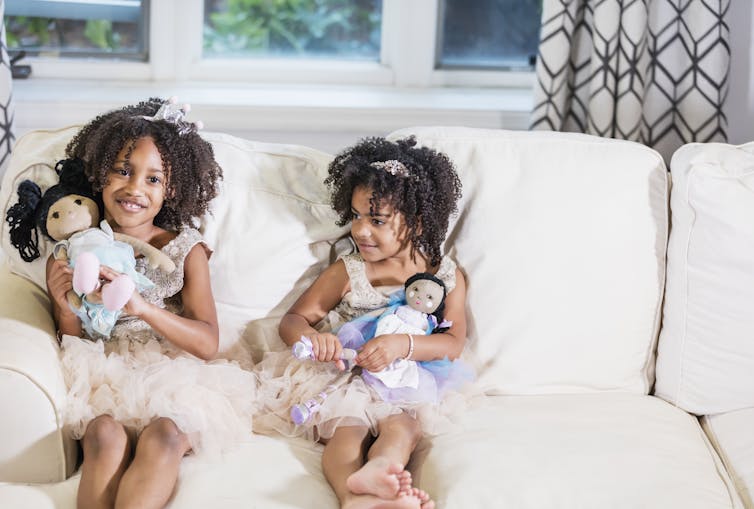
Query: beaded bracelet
[410, 347]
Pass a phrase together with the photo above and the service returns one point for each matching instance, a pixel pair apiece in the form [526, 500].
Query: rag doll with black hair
[417, 309]
[68, 214]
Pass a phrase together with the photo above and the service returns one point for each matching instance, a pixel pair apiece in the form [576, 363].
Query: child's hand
[136, 305]
[326, 347]
[59, 283]
[380, 352]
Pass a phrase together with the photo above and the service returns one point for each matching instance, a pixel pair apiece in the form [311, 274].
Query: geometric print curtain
[652, 71]
[6, 103]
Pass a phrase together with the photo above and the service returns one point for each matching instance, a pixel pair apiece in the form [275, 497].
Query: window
[417, 43]
[83, 28]
[343, 29]
[489, 34]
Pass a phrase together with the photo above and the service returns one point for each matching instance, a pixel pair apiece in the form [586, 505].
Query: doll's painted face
[424, 295]
[70, 214]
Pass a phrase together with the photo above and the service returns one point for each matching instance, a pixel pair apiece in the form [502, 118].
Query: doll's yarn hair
[440, 311]
[29, 214]
[418, 182]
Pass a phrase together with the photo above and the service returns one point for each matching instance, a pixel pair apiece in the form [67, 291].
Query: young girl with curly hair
[398, 199]
[145, 396]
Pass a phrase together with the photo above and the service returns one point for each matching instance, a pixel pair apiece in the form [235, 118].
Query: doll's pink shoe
[116, 293]
[85, 273]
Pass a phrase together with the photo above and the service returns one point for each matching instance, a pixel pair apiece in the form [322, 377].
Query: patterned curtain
[6, 103]
[652, 71]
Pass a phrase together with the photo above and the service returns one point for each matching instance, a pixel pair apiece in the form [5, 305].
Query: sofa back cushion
[270, 227]
[562, 238]
[705, 359]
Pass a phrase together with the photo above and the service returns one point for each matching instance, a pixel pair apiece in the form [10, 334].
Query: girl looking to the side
[398, 199]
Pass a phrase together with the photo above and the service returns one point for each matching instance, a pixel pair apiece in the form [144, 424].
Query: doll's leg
[150, 480]
[86, 273]
[117, 292]
[107, 451]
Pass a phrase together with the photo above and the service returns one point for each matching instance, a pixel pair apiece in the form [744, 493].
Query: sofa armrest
[34, 448]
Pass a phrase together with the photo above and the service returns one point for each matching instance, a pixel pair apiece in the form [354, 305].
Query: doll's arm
[60, 252]
[154, 256]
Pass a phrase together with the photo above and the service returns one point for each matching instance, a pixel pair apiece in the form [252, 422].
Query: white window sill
[233, 108]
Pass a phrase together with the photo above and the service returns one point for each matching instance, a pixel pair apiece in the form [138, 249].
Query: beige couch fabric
[562, 237]
[705, 359]
[732, 434]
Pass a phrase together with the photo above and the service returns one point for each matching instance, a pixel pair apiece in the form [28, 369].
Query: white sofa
[563, 238]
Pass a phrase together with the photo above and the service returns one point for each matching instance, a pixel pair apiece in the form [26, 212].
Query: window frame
[407, 57]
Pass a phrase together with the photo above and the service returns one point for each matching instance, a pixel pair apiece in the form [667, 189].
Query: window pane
[489, 34]
[110, 28]
[341, 29]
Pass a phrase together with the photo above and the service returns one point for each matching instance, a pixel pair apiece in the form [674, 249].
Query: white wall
[739, 106]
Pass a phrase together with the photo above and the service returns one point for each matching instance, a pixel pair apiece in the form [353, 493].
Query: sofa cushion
[575, 451]
[271, 227]
[706, 354]
[585, 451]
[265, 472]
[562, 238]
[731, 434]
[34, 157]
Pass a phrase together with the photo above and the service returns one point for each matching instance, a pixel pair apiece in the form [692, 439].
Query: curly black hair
[189, 161]
[426, 197]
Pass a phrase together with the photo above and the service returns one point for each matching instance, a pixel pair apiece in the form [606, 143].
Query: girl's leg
[107, 451]
[150, 480]
[383, 474]
[344, 455]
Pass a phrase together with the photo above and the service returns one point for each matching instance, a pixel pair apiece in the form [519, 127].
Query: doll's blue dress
[137, 376]
[97, 320]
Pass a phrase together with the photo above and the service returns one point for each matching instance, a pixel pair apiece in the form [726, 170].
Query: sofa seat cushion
[265, 472]
[731, 434]
[567, 451]
[575, 451]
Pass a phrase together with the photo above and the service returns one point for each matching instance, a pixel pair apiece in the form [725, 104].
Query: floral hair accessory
[393, 167]
[172, 112]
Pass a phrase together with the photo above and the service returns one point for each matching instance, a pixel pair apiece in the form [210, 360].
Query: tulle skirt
[135, 383]
[331, 399]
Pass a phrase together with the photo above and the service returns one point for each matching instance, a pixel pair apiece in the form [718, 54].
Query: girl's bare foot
[378, 477]
[404, 483]
[424, 500]
[372, 502]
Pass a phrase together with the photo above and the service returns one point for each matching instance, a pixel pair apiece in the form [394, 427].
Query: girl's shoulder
[183, 241]
[447, 273]
[354, 264]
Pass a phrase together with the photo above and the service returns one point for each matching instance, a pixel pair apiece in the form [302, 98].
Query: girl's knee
[105, 435]
[404, 424]
[163, 435]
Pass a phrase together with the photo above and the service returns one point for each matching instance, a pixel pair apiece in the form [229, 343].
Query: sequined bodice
[166, 292]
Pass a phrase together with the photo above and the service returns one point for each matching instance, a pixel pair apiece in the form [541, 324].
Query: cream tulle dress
[136, 376]
[285, 381]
